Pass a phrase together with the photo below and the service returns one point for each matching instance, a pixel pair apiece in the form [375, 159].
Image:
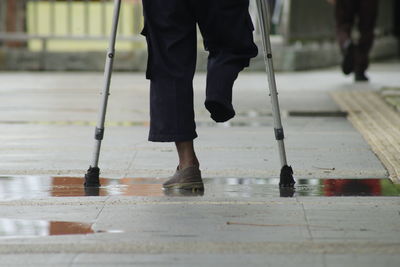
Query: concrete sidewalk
[47, 124]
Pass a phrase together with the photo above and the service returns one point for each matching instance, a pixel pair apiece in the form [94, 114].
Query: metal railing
[79, 20]
[85, 20]
[22, 21]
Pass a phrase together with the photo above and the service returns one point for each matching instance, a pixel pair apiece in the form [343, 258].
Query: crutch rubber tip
[92, 191]
[287, 191]
[286, 177]
[92, 177]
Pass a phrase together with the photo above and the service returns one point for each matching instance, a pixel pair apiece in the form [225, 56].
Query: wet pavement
[18, 228]
[344, 210]
[30, 187]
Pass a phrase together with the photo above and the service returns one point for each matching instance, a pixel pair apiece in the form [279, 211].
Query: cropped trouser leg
[170, 30]
[227, 31]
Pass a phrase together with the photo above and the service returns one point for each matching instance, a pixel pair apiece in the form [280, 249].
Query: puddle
[30, 187]
[16, 228]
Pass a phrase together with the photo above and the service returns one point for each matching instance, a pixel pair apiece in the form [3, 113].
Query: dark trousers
[365, 12]
[170, 30]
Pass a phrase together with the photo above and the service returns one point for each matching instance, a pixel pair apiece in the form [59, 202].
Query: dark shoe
[219, 112]
[360, 77]
[348, 58]
[188, 179]
[286, 177]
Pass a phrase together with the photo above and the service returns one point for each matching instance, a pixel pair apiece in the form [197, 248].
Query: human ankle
[188, 163]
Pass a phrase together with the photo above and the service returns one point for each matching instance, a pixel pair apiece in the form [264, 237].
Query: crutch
[286, 175]
[92, 175]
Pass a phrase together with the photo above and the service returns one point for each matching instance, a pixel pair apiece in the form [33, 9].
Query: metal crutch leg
[286, 175]
[92, 175]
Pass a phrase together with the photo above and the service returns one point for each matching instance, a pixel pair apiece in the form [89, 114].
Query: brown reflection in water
[140, 189]
[352, 187]
[141, 180]
[70, 228]
[15, 228]
[73, 187]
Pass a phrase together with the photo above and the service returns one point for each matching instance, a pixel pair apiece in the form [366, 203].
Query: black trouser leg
[367, 15]
[228, 36]
[345, 12]
[170, 30]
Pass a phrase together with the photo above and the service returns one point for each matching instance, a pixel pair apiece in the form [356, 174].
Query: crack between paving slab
[72, 262]
[324, 260]
[131, 162]
[306, 219]
[104, 204]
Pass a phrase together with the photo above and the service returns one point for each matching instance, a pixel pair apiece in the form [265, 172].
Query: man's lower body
[356, 56]
[171, 33]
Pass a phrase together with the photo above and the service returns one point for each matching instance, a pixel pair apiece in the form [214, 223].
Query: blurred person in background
[355, 54]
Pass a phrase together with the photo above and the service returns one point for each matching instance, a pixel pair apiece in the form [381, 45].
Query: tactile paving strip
[377, 122]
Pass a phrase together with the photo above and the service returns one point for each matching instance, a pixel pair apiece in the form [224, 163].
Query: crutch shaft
[286, 175]
[263, 11]
[99, 131]
[92, 176]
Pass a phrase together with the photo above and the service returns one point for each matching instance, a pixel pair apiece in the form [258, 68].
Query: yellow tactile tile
[377, 122]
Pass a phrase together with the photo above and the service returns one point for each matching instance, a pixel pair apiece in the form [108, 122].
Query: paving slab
[312, 145]
[47, 124]
[86, 259]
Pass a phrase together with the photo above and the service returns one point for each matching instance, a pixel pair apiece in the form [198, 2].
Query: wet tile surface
[17, 228]
[30, 187]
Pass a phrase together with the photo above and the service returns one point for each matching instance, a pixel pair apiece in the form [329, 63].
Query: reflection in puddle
[184, 193]
[67, 186]
[14, 228]
[371, 187]
[28, 187]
